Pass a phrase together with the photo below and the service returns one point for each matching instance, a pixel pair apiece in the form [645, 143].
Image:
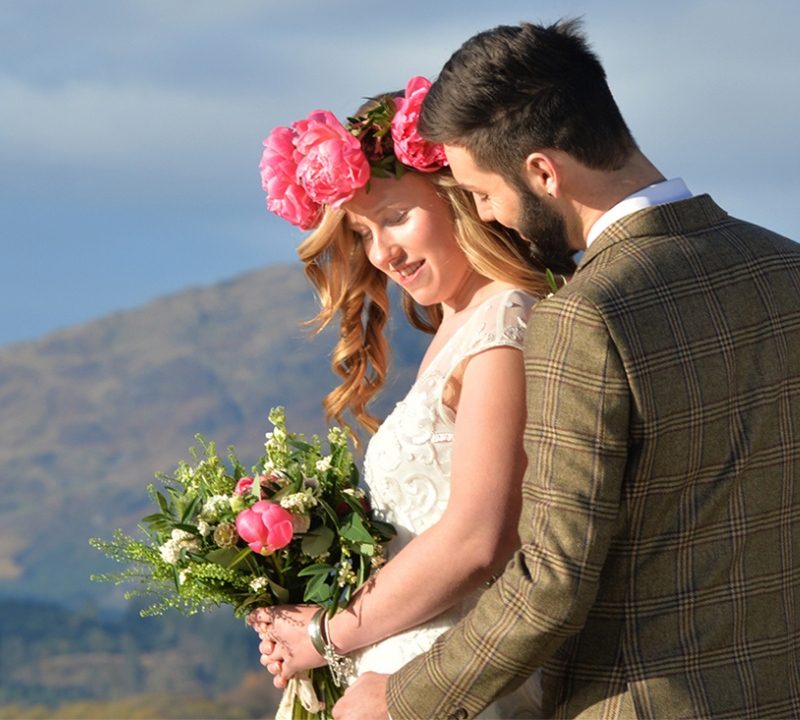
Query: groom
[659, 574]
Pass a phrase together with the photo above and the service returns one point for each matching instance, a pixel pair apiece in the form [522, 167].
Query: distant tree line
[51, 655]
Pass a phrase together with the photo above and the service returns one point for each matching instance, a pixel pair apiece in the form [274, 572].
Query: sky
[130, 130]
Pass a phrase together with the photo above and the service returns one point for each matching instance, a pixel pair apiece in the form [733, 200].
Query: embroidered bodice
[407, 463]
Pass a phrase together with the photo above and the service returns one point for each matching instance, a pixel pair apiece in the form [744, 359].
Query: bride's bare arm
[472, 541]
[478, 530]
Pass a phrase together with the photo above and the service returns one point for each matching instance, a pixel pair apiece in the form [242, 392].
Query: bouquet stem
[310, 696]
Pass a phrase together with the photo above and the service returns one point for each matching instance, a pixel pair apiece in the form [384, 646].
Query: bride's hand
[285, 646]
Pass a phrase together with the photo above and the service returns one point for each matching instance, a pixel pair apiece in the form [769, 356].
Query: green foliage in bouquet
[296, 528]
[319, 541]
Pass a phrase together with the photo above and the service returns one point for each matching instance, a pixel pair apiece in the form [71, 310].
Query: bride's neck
[474, 291]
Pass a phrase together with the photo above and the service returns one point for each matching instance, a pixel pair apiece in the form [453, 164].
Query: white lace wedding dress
[407, 472]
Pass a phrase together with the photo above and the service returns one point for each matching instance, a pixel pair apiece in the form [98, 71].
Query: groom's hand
[365, 699]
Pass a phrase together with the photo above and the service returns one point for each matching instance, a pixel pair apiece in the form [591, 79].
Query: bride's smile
[407, 232]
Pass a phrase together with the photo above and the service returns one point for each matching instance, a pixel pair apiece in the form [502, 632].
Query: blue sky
[130, 130]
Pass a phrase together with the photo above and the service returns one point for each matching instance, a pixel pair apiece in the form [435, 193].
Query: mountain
[90, 414]
[57, 662]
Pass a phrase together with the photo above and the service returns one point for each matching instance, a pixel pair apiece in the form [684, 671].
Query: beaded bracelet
[341, 666]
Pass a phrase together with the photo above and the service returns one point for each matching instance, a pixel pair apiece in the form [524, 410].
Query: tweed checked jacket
[659, 574]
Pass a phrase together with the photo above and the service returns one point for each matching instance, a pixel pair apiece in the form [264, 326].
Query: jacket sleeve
[576, 439]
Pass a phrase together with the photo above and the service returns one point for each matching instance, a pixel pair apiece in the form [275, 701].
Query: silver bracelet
[341, 666]
[315, 632]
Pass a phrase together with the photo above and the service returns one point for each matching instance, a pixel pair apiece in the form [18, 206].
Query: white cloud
[93, 124]
[137, 124]
[683, 70]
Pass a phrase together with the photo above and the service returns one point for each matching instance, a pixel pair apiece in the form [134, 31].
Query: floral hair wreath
[318, 161]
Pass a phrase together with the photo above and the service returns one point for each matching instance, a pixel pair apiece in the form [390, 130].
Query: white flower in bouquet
[214, 507]
[259, 584]
[295, 528]
[179, 540]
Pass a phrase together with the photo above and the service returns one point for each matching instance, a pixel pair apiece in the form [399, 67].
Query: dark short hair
[517, 89]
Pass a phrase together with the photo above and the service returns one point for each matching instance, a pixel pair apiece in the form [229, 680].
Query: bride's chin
[421, 298]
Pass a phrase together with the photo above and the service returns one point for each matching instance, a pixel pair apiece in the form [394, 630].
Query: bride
[445, 467]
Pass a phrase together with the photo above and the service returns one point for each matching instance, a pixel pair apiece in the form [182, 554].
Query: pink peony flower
[265, 482]
[278, 166]
[333, 165]
[243, 486]
[409, 146]
[265, 527]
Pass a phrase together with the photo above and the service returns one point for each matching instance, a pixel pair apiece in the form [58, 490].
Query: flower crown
[318, 161]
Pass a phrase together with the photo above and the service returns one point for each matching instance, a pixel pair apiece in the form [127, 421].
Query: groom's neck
[594, 192]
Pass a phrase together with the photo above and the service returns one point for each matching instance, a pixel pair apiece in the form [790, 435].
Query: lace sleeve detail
[501, 322]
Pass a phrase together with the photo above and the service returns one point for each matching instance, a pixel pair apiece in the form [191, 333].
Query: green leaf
[551, 279]
[385, 529]
[355, 530]
[317, 590]
[162, 503]
[336, 598]
[315, 569]
[301, 445]
[317, 542]
[280, 592]
[228, 557]
[164, 524]
[190, 508]
[283, 492]
[329, 510]
[153, 518]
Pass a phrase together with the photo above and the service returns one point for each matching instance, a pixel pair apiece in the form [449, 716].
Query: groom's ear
[542, 174]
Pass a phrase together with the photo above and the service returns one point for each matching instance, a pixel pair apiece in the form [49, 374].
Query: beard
[545, 229]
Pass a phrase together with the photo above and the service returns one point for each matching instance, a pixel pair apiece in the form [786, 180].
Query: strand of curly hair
[349, 286]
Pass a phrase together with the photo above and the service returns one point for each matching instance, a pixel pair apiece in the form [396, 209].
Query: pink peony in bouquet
[295, 528]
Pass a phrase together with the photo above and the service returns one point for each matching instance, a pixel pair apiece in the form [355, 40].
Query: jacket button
[460, 714]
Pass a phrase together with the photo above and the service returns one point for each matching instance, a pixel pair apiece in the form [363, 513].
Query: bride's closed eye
[392, 218]
[396, 217]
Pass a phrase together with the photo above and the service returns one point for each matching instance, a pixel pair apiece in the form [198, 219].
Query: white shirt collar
[659, 193]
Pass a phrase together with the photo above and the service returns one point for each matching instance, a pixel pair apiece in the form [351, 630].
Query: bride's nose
[484, 208]
[383, 251]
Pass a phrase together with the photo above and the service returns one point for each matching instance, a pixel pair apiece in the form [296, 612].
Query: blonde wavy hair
[349, 286]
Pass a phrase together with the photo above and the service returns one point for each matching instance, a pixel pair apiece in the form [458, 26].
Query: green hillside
[88, 415]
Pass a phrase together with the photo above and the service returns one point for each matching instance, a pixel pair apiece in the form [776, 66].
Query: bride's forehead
[381, 193]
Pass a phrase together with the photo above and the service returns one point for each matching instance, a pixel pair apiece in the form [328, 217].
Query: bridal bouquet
[295, 528]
